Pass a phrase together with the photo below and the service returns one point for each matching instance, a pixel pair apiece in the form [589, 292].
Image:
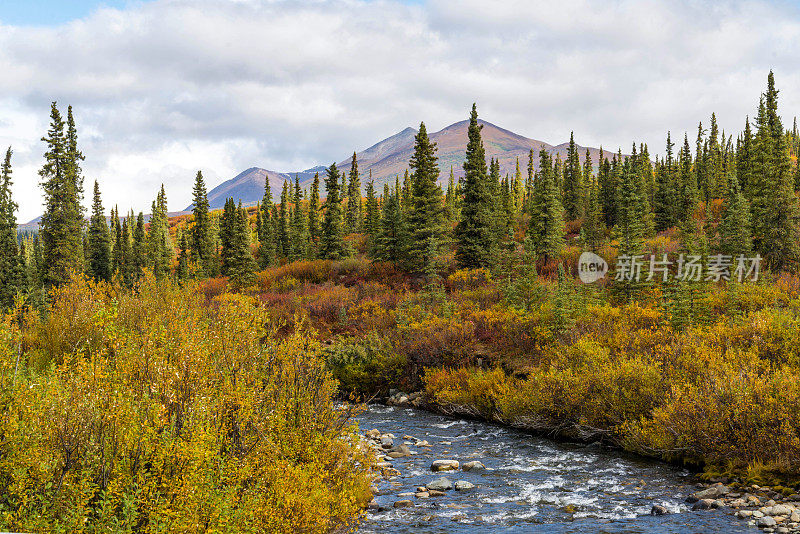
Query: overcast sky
[163, 88]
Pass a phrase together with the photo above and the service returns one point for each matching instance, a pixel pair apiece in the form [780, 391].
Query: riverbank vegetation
[180, 370]
[153, 411]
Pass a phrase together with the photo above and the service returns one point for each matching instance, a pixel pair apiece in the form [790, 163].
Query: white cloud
[166, 87]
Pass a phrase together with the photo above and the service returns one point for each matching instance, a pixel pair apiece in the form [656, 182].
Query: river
[531, 484]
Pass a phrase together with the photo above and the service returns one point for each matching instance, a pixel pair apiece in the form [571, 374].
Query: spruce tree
[774, 207]
[200, 245]
[159, 243]
[665, 197]
[183, 259]
[99, 258]
[283, 245]
[426, 214]
[744, 161]
[630, 230]
[372, 215]
[546, 226]
[62, 222]
[734, 229]
[228, 225]
[393, 238]
[12, 268]
[593, 229]
[354, 202]
[475, 237]
[266, 240]
[139, 248]
[314, 229]
[240, 265]
[518, 190]
[332, 241]
[451, 199]
[607, 183]
[299, 237]
[573, 183]
[126, 252]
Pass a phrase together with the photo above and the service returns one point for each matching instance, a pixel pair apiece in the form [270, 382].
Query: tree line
[482, 217]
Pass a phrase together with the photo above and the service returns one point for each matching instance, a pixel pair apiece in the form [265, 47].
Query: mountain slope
[389, 158]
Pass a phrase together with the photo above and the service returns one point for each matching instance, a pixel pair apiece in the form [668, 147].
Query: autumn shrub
[468, 279]
[329, 302]
[366, 367]
[738, 411]
[69, 325]
[174, 416]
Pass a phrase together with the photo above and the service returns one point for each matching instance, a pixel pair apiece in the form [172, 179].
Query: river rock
[462, 485]
[422, 443]
[795, 517]
[744, 514]
[374, 433]
[766, 521]
[713, 492]
[473, 466]
[657, 509]
[386, 442]
[444, 465]
[703, 504]
[389, 472]
[436, 493]
[757, 514]
[781, 509]
[403, 504]
[440, 484]
[422, 495]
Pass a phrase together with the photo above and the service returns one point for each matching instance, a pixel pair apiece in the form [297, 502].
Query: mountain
[389, 158]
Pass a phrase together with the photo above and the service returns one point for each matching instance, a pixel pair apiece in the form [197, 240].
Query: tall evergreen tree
[475, 235]
[99, 259]
[607, 180]
[228, 226]
[393, 239]
[665, 197]
[139, 248]
[734, 229]
[200, 242]
[593, 229]
[314, 229]
[332, 245]
[774, 204]
[282, 244]
[62, 221]
[299, 238]
[266, 240]
[159, 242]
[630, 230]
[241, 266]
[426, 214]
[573, 183]
[12, 268]
[183, 258]
[372, 215]
[354, 202]
[546, 225]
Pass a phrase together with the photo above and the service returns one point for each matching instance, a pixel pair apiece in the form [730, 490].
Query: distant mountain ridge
[389, 158]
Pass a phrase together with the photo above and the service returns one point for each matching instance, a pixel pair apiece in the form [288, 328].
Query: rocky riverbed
[443, 474]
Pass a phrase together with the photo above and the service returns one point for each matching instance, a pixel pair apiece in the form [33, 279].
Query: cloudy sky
[165, 87]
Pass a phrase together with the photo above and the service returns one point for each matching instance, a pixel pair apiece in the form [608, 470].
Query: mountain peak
[389, 158]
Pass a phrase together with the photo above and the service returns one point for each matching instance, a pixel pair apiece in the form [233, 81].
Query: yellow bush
[173, 416]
